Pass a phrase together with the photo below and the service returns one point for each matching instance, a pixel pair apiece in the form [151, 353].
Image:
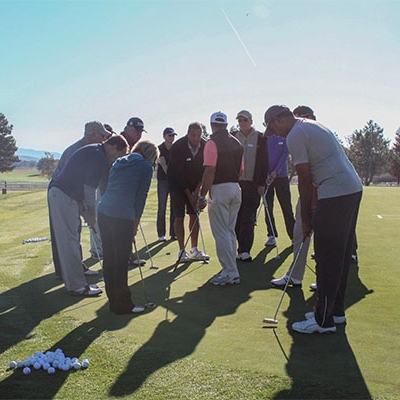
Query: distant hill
[34, 155]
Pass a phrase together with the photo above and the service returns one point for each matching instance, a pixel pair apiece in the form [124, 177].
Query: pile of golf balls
[50, 362]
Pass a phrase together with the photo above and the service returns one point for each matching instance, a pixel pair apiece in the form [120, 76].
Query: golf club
[148, 304]
[187, 241]
[152, 266]
[205, 261]
[94, 236]
[277, 257]
[273, 322]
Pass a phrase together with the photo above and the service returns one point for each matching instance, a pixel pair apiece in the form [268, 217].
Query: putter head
[277, 257]
[150, 306]
[153, 267]
[270, 323]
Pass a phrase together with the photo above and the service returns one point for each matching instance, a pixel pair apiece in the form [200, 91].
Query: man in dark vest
[223, 165]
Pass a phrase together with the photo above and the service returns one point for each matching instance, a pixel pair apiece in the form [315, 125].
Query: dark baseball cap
[275, 111]
[136, 123]
[303, 111]
[169, 131]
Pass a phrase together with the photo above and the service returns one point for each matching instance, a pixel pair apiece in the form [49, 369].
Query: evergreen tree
[369, 151]
[8, 146]
[395, 157]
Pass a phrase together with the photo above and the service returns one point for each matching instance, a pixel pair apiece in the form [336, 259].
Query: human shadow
[191, 314]
[323, 366]
[22, 308]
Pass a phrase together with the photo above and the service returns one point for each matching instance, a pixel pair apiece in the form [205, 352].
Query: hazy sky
[64, 63]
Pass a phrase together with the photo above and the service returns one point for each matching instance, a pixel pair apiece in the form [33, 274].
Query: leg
[162, 195]
[271, 229]
[282, 188]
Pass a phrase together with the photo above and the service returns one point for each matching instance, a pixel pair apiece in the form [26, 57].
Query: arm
[206, 183]
[306, 191]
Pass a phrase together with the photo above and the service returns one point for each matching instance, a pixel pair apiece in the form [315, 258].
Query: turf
[201, 341]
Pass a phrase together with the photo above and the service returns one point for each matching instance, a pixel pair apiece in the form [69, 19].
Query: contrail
[238, 36]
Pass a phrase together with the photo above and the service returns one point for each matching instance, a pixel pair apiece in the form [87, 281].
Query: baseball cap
[93, 127]
[110, 129]
[136, 123]
[169, 131]
[303, 111]
[245, 114]
[274, 111]
[219, 118]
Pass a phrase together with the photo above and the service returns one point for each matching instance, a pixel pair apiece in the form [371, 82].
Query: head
[194, 133]
[133, 130]
[169, 135]
[304, 112]
[116, 146]
[95, 132]
[218, 121]
[148, 150]
[245, 120]
[278, 120]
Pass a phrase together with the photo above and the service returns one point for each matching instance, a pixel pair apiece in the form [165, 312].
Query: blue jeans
[162, 195]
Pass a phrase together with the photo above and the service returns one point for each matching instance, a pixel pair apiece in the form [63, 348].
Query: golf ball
[26, 371]
[37, 365]
[76, 365]
[51, 370]
[20, 364]
[13, 364]
[85, 363]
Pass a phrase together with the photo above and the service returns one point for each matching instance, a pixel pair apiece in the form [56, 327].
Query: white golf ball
[76, 365]
[85, 363]
[51, 370]
[26, 371]
[13, 364]
[20, 364]
[37, 365]
[46, 366]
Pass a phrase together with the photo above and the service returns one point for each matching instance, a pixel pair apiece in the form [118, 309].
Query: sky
[64, 63]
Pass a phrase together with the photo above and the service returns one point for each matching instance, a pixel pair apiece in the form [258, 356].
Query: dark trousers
[281, 187]
[162, 195]
[334, 231]
[246, 218]
[116, 236]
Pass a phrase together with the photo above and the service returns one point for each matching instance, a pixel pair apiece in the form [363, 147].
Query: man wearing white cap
[223, 162]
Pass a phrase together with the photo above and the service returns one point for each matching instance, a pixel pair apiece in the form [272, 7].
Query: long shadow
[194, 312]
[323, 366]
[23, 308]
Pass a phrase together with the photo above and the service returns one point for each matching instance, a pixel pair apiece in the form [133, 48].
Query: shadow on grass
[323, 366]
[194, 312]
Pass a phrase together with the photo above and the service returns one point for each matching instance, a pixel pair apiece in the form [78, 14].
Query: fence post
[4, 190]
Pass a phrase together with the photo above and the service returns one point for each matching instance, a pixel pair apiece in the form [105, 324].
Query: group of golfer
[229, 174]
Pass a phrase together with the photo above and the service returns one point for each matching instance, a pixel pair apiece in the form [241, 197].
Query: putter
[205, 261]
[96, 247]
[152, 266]
[148, 304]
[277, 257]
[273, 322]
[187, 241]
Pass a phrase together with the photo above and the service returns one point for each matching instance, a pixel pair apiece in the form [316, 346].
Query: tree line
[369, 151]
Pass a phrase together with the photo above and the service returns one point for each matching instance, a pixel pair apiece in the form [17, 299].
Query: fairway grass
[201, 342]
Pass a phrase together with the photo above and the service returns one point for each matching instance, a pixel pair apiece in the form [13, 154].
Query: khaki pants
[66, 224]
[222, 212]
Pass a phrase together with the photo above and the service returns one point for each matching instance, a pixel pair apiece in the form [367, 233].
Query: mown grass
[200, 342]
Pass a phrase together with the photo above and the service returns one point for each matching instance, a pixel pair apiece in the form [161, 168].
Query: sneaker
[313, 256]
[354, 258]
[282, 282]
[244, 257]
[311, 326]
[222, 280]
[87, 291]
[136, 263]
[196, 254]
[183, 256]
[88, 271]
[137, 309]
[337, 319]
[313, 287]
[271, 241]
[162, 239]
